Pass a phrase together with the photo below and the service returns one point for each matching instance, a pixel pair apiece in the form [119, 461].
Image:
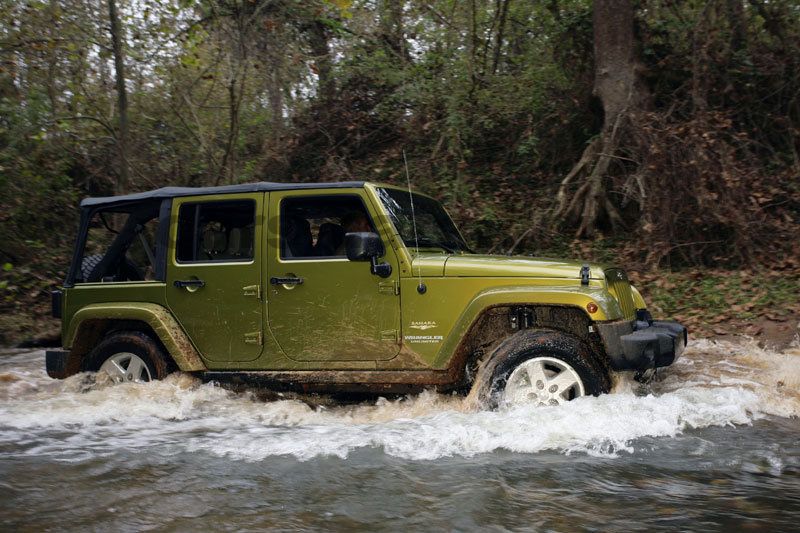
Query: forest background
[661, 135]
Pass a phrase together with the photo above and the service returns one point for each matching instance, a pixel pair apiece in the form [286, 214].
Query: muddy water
[713, 446]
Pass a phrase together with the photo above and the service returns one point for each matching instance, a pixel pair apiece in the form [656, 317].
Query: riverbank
[728, 304]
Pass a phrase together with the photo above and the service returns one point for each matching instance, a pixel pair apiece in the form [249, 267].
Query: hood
[516, 266]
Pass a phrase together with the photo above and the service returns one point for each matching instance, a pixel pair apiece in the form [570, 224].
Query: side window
[314, 226]
[121, 245]
[216, 231]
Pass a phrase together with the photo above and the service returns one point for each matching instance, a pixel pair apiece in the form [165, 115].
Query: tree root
[590, 202]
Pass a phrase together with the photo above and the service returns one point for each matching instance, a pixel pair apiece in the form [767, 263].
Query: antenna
[421, 288]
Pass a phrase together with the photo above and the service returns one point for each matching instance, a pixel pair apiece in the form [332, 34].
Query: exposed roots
[590, 204]
[693, 189]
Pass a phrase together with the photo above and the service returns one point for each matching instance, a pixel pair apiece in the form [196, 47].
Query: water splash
[714, 384]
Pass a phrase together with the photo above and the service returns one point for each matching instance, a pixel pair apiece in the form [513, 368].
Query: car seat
[240, 243]
[212, 243]
[296, 237]
[329, 239]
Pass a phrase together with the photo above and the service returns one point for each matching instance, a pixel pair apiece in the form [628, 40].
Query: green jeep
[339, 287]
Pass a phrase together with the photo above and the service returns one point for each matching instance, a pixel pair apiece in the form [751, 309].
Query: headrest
[214, 242]
[235, 241]
[240, 242]
[296, 239]
[246, 244]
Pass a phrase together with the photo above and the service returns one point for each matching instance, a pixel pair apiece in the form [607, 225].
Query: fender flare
[608, 308]
[86, 320]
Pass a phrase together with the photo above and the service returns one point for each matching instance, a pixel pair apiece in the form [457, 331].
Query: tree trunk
[736, 19]
[701, 40]
[238, 63]
[52, 61]
[618, 85]
[229, 159]
[122, 95]
[275, 97]
[391, 28]
[318, 39]
[472, 47]
[273, 56]
[554, 9]
[500, 35]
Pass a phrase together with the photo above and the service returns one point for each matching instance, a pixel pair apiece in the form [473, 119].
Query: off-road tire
[127, 271]
[135, 342]
[88, 264]
[529, 344]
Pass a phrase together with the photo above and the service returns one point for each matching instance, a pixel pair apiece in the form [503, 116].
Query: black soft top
[172, 192]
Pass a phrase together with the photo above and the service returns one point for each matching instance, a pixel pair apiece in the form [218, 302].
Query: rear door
[323, 307]
[214, 274]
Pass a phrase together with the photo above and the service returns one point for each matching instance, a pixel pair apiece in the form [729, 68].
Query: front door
[323, 307]
[214, 274]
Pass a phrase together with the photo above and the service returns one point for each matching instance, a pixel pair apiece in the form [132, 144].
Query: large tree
[117, 43]
[618, 85]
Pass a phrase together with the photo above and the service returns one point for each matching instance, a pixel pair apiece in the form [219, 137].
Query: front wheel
[543, 381]
[541, 367]
[128, 357]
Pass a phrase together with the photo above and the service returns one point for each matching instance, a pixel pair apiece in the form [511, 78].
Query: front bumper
[643, 343]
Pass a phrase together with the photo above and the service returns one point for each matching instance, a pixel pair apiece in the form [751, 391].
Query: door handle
[182, 284]
[286, 281]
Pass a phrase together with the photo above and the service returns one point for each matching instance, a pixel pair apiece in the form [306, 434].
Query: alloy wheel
[126, 368]
[543, 381]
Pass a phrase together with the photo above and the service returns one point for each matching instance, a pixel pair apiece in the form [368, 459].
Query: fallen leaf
[754, 331]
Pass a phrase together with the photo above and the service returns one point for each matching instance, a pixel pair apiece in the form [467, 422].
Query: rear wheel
[126, 366]
[128, 357]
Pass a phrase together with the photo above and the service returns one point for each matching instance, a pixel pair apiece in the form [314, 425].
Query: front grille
[619, 286]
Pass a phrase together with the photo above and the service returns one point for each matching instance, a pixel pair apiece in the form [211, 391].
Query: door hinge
[389, 287]
[390, 335]
[254, 338]
[252, 290]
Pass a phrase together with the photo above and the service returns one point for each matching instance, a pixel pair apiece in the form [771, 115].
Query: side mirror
[367, 246]
[362, 246]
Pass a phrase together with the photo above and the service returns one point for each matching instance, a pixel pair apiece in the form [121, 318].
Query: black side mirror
[367, 246]
[362, 246]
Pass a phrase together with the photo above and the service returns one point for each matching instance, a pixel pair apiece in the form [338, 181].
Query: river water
[712, 446]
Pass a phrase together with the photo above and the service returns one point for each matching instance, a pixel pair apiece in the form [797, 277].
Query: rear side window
[216, 231]
[121, 245]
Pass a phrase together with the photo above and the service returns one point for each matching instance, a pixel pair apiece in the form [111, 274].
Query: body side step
[370, 381]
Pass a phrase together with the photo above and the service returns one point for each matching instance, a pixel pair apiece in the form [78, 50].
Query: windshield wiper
[459, 244]
[437, 244]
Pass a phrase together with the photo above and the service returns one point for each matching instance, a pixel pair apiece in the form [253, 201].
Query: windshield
[435, 229]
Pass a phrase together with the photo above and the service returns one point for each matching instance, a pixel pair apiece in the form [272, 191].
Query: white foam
[714, 385]
[598, 426]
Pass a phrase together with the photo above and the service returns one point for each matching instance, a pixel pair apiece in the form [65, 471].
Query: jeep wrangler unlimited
[338, 287]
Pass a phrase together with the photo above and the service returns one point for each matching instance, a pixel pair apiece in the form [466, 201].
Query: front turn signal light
[592, 308]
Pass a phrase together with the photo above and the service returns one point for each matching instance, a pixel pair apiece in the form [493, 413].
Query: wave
[714, 384]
